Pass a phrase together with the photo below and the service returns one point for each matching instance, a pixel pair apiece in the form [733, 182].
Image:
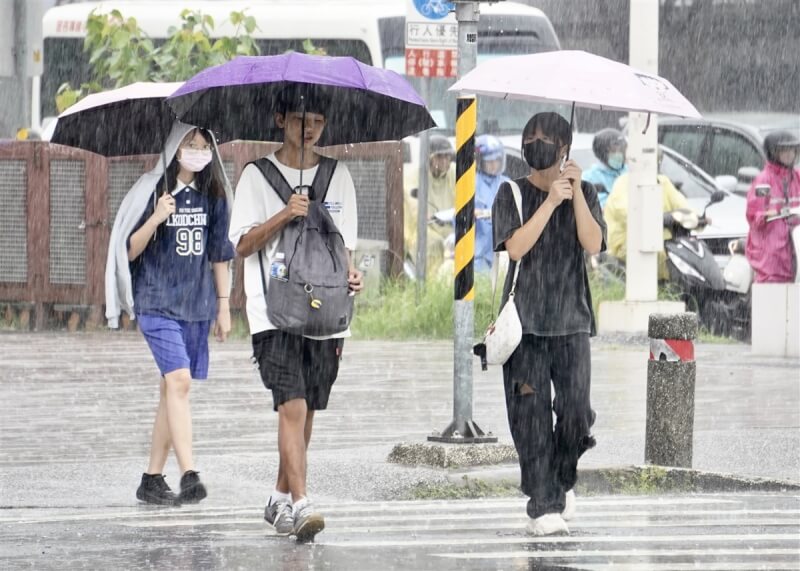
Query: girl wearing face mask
[562, 220]
[178, 254]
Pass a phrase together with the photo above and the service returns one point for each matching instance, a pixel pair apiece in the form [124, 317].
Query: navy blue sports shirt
[173, 276]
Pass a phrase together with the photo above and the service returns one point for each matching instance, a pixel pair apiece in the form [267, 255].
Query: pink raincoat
[769, 244]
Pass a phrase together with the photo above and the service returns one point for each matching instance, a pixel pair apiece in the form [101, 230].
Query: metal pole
[422, 196]
[463, 429]
[645, 235]
[21, 55]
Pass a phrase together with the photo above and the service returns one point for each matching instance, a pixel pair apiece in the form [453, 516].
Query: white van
[372, 31]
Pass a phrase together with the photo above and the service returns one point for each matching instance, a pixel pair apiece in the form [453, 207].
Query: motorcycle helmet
[777, 141]
[439, 145]
[605, 140]
[489, 148]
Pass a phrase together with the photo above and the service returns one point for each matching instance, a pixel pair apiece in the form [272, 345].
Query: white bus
[372, 31]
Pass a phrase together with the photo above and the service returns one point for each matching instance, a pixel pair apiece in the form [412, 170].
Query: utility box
[370, 258]
[776, 320]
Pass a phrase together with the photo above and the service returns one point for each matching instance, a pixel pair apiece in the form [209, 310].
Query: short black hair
[552, 124]
[295, 97]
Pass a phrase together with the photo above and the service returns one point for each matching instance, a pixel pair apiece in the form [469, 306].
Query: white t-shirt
[256, 202]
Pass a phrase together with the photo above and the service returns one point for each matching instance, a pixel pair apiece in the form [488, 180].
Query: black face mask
[540, 155]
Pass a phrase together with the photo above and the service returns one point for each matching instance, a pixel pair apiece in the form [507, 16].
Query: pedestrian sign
[431, 39]
[434, 9]
[422, 62]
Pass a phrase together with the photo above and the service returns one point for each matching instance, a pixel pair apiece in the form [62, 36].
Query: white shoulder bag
[504, 335]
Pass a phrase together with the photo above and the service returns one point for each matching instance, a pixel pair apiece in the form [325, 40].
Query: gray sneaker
[279, 515]
[307, 522]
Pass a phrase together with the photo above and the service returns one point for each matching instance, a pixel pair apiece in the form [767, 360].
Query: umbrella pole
[571, 126]
[164, 188]
[302, 138]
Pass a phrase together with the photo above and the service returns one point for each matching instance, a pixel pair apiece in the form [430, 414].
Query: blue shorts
[177, 344]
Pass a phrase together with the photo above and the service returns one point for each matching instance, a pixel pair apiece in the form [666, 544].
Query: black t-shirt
[552, 294]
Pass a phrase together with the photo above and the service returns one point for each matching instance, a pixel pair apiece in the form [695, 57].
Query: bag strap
[323, 178]
[517, 194]
[275, 178]
[319, 186]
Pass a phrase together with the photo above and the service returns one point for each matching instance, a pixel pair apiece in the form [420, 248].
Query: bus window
[65, 60]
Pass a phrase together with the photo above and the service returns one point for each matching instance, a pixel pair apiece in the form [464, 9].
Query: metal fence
[59, 205]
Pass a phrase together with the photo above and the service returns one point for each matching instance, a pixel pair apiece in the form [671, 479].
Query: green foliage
[641, 480]
[401, 311]
[121, 53]
[66, 96]
[470, 489]
[311, 49]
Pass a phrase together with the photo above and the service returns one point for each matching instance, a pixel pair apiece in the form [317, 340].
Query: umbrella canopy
[577, 77]
[131, 120]
[238, 99]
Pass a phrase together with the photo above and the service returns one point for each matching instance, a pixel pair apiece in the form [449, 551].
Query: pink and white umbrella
[130, 120]
[576, 77]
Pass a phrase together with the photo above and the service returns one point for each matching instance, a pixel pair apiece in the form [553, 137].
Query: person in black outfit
[563, 220]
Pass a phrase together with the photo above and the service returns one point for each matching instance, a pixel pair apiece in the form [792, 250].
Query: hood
[176, 135]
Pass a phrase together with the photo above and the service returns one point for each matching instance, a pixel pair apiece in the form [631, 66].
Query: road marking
[771, 564]
[384, 512]
[626, 553]
[567, 539]
[480, 525]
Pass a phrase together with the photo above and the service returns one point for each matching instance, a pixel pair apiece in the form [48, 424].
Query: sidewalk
[77, 411]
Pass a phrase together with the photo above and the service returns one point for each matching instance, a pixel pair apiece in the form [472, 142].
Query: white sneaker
[307, 522]
[569, 506]
[548, 524]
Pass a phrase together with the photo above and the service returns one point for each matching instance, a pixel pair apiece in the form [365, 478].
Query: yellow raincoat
[616, 215]
[441, 196]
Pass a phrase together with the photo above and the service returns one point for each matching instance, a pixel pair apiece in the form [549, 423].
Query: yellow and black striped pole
[466, 122]
[463, 429]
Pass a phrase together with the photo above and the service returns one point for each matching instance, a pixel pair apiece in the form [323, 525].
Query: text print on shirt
[191, 223]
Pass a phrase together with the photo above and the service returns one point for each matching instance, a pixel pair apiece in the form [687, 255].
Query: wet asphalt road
[77, 411]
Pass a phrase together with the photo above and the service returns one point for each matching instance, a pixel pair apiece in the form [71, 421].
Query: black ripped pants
[548, 458]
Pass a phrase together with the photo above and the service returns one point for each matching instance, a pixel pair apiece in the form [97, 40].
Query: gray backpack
[308, 293]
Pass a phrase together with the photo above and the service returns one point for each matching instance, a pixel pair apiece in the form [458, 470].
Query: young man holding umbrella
[298, 370]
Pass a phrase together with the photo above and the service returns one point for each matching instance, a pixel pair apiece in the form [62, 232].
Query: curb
[632, 480]
[441, 455]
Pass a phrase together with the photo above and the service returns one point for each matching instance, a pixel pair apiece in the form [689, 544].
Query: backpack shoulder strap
[322, 180]
[274, 177]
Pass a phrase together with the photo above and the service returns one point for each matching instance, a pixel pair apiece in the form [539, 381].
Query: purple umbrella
[238, 99]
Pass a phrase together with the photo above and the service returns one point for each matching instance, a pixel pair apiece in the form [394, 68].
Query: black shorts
[293, 367]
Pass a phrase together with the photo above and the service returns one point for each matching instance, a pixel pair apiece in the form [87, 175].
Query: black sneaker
[192, 489]
[154, 490]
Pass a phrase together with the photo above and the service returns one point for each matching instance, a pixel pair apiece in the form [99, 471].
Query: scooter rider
[609, 147]
[774, 191]
[616, 215]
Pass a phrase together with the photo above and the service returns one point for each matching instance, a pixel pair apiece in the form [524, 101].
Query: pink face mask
[194, 160]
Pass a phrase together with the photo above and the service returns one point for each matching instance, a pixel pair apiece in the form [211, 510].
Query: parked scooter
[723, 310]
